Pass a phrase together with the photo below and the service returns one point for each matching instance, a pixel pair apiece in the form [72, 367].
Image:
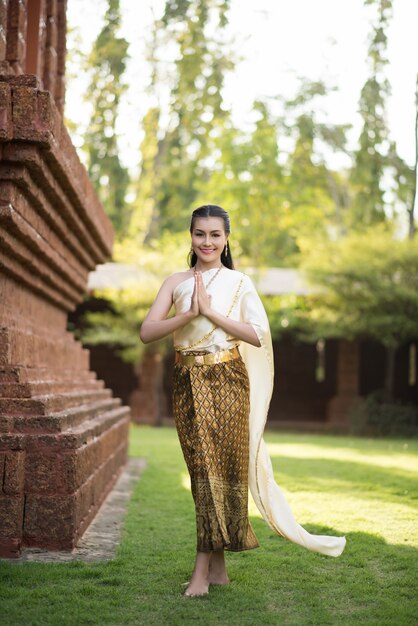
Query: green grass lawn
[365, 489]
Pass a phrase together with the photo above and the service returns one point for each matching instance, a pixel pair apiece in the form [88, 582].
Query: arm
[156, 325]
[240, 330]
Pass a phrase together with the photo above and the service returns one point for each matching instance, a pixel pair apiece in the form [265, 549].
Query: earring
[227, 248]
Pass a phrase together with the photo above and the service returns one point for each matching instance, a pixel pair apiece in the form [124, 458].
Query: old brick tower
[63, 437]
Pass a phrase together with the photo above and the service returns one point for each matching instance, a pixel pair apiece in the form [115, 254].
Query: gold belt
[207, 359]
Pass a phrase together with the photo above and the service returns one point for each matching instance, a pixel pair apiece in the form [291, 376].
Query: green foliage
[247, 178]
[371, 158]
[405, 180]
[286, 207]
[368, 288]
[271, 204]
[145, 214]
[106, 64]
[130, 304]
[316, 195]
[120, 327]
[287, 313]
[196, 109]
[374, 416]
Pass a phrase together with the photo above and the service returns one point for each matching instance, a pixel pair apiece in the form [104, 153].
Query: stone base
[63, 437]
[102, 537]
[61, 454]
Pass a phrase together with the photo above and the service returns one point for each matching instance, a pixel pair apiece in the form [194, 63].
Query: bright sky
[278, 40]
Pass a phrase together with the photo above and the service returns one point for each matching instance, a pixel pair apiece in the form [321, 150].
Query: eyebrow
[212, 231]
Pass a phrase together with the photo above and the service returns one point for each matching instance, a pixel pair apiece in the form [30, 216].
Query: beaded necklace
[210, 333]
[213, 277]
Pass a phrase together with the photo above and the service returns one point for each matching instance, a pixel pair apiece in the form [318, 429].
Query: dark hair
[213, 210]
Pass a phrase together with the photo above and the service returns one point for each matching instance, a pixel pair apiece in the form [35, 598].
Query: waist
[210, 358]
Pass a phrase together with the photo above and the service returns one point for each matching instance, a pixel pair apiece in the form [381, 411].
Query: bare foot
[217, 569]
[198, 587]
[199, 583]
[219, 580]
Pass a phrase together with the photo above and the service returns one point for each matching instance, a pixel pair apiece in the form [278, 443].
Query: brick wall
[63, 436]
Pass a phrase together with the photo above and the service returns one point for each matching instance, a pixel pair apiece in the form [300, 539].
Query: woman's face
[209, 239]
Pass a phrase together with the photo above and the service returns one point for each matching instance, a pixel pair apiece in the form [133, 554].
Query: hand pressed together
[201, 300]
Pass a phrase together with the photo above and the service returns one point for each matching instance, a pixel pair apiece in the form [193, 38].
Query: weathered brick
[31, 116]
[23, 80]
[15, 49]
[85, 502]
[50, 519]
[10, 548]
[41, 473]
[3, 14]
[14, 474]
[86, 462]
[6, 424]
[17, 14]
[6, 123]
[52, 32]
[2, 44]
[11, 516]
[4, 346]
[53, 230]
[2, 465]
[50, 473]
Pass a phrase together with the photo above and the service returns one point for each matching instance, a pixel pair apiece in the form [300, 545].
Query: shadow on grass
[345, 477]
[279, 583]
[371, 583]
[373, 445]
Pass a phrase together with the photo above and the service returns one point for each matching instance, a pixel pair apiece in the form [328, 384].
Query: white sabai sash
[267, 495]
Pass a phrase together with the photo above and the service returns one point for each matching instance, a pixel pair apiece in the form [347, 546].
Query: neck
[203, 267]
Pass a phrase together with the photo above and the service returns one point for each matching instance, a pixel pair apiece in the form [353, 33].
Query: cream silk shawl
[267, 494]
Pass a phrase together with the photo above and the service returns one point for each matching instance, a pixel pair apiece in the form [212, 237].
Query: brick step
[63, 436]
[68, 419]
[18, 374]
[47, 387]
[42, 351]
[95, 427]
[43, 405]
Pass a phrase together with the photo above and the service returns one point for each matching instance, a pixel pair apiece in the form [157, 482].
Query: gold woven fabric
[211, 410]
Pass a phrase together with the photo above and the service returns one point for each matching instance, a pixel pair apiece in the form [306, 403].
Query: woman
[223, 377]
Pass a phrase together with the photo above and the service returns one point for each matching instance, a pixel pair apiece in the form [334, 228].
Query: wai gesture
[201, 300]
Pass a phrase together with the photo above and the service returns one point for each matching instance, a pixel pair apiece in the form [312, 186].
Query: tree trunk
[389, 373]
[411, 211]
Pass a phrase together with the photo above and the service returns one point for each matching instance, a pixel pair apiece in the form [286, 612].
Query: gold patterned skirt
[211, 410]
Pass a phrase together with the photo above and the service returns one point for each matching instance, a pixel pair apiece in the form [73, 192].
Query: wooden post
[347, 382]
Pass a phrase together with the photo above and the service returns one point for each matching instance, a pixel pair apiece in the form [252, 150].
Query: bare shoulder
[175, 279]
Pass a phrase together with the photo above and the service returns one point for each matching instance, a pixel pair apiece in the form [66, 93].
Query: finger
[202, 284]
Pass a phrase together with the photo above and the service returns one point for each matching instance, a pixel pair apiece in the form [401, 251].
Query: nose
[207, 238]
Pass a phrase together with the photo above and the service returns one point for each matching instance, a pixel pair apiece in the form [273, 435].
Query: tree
[195, 111]
[144, 219]
[106, 64]
[247, 178]
[370, 159]
[317, 195]
[368, 287]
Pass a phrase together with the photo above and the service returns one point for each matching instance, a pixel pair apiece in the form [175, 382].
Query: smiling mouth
[207, 250]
